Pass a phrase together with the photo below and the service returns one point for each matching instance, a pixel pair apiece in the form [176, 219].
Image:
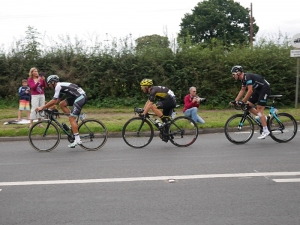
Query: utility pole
[251, 26]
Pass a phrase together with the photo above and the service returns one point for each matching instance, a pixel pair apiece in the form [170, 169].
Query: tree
[31, 45]
[224, 20]
[154, 41]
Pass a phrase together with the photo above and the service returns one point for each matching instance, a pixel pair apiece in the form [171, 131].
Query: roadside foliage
[110, 73]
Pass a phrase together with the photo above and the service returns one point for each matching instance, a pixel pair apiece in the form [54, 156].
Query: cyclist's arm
[248, 94]
[241, 93]
[48, 105]
[147, 107]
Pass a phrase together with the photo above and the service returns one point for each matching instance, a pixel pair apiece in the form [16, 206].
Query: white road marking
[292, 180]
[158, 178]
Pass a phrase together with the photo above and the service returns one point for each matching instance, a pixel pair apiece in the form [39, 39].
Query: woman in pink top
[37, 85]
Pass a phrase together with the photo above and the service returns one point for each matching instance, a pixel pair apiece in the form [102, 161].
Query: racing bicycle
[239, 128]
[44, 136]
[138, 132]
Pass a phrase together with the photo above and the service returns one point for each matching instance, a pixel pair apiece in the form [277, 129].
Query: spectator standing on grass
[191, 105]
[37, 85]
[24, 96]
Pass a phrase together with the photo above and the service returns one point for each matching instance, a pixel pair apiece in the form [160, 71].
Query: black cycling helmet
[51, 78]
[236, 69]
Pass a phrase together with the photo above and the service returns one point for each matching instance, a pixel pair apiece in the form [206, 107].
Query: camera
[202, 100]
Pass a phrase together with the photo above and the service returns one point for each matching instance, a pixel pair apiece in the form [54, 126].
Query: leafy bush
[110, 75]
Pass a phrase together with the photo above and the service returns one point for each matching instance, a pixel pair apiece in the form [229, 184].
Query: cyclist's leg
[261, 103]
[156, 109]
[252, 100]
[64, 105]
[78, 104]
[167, 105]
[75, 112]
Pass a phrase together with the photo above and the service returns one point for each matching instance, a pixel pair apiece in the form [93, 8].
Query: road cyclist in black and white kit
[258, 91]
[76, 97]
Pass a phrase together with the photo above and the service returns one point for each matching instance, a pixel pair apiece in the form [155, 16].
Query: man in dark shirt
[258, 91]
[164, 96]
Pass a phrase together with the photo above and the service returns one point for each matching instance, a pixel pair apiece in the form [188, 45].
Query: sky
[109, 20]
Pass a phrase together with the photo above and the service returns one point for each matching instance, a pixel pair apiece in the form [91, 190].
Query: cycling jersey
[261, 88]
[77, 97]
[161, 93]
[69, 89]
[256, 80]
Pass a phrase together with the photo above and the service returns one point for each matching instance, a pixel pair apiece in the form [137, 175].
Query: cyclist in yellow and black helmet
[163, 96]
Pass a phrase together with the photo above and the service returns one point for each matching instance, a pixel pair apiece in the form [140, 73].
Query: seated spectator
[191, 104]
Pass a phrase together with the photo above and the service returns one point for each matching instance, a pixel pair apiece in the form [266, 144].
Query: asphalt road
[212, 182]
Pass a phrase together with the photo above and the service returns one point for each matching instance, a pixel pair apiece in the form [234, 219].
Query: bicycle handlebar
[243, 106]
[49, 112]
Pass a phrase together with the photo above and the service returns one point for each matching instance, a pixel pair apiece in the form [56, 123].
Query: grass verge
[115, 118]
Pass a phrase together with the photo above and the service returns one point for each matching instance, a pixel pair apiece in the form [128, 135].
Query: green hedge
[111, 76]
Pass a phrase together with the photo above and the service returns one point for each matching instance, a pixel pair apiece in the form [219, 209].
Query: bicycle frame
[51, 117]
[272, 113]
[152, 120]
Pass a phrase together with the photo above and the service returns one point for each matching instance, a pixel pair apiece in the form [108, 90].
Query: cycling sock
[77, 137]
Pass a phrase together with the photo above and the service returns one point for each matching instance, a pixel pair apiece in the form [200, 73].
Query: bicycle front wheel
[93, 134]
[183, 131]
[282, 127]
[44, 136]
[238, 131]
[137, 132]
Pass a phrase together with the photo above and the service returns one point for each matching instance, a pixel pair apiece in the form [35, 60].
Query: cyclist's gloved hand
[241, 103]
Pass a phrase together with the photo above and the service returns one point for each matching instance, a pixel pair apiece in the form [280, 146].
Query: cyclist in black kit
[164, 96]
[76, 98]
[258, 91]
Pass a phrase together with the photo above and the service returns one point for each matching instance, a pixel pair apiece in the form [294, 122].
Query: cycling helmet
[54, 78]
[236, 69]
[146, 82]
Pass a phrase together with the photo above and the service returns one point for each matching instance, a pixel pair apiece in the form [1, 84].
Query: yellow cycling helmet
[146, 82]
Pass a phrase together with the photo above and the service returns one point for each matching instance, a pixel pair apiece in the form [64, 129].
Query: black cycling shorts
[77, 104]
[166, 105]
[260, 97]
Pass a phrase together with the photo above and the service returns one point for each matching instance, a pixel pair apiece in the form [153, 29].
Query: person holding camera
[37, 85]
[191, 105]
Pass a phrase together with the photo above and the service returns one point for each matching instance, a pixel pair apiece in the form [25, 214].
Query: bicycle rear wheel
[44, 136]
[239, 132]
[183, 131]
[283, 127]
[93, 134]
[137, 132]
